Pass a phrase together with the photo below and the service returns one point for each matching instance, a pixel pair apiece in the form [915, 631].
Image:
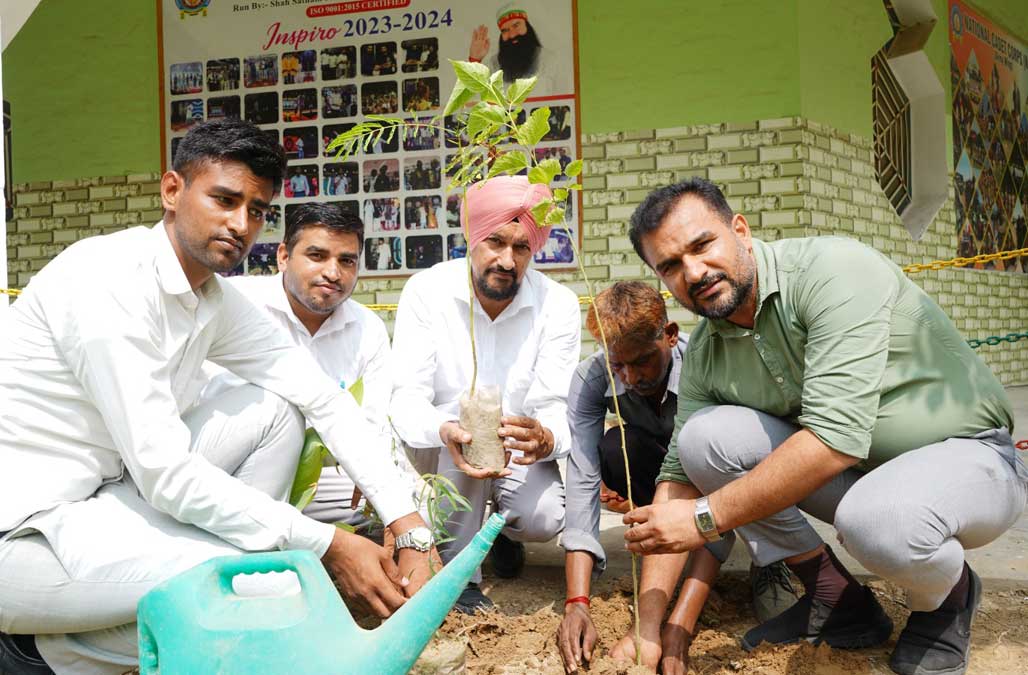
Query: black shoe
[19, 656]
[772, 591]
[472, 599]
[857, 624]
[936, 643]
[508, 557]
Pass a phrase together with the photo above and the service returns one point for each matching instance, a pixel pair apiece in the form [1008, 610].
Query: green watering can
[194, 624]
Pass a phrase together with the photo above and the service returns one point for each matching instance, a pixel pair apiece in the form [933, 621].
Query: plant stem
[621, 430]
[471, 292]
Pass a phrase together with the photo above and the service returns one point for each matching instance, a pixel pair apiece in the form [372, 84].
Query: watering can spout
[413, 625]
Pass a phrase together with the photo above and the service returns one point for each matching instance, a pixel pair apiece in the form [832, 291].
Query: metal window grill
[892, 133]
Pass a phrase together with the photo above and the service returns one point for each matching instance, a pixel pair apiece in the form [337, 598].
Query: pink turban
[493, 203]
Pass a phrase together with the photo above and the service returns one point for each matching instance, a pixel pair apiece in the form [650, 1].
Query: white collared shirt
[530, 352]
[99, 362]
[352, 344]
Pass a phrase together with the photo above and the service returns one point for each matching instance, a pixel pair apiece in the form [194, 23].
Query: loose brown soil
[519, 635]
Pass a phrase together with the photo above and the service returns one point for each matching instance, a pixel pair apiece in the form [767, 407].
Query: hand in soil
[675, 641]
[417, 568]
[663, 528]
[528, 436]
[452, 435]
[624, 650]
[576, 636]
[365, 572]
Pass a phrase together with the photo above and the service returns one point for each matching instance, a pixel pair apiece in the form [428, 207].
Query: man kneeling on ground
[528, 334]
[824, 380]
[646, 359]
[113, 479]
[309, 298]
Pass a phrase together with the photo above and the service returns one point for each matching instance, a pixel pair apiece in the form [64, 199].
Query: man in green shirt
[823, 380]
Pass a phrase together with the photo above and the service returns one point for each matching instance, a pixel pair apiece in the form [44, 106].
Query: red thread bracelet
[584, 599]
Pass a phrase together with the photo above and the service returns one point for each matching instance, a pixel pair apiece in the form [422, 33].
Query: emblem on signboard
[956, 22]
[192, 7]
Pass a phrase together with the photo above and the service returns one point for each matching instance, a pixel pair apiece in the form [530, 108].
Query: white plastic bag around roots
[480, 416]
[442, 656]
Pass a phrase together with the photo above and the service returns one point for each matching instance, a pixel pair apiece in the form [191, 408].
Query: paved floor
[1004, 560]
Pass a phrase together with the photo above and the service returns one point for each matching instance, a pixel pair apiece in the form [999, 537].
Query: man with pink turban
[527, 331]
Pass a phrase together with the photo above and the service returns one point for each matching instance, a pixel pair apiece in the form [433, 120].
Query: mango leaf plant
[495, 137]
[313, 457]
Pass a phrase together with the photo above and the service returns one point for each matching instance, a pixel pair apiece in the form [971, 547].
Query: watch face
[421, 537]
[706, 523]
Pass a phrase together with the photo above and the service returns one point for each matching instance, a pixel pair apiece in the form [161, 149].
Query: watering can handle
[303, 563]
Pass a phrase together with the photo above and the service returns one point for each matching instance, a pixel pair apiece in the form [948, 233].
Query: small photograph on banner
[306, 72]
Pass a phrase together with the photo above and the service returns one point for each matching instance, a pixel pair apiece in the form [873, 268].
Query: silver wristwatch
[417, 538]
[705, 520]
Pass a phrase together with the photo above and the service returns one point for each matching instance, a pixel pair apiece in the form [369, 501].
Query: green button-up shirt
[845, 345]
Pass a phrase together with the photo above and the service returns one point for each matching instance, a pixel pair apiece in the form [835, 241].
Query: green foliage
[509, 163]
[308, 472]
[441, 499]
[490, 139]
[472, 75]
[535, 127]
[313, 457]
[517, 92]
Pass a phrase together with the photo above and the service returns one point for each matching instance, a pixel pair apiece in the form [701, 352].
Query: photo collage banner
[306, 71]
[989, 71]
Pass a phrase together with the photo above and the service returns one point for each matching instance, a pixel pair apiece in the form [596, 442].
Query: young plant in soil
[494, 137]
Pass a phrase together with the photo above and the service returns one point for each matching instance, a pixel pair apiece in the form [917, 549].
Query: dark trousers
[645, 455]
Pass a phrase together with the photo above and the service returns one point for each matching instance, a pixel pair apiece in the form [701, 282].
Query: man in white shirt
[113, 479]
[309, 299]
[527, 333]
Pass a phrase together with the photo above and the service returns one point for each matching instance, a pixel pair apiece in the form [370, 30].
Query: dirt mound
[519, 636]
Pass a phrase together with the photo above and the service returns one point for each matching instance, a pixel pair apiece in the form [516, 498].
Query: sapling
[494, 137]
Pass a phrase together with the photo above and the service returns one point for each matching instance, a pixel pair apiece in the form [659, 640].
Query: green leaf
[308, 470]
[476, 124]
[304, 499]
[490, 111]
[357, 390]
[518, 91]
[574, 168]
[535, 127]
[346, 526]
[458, 97]
[508, 163]
[496, 85]
[540, 210]
[560, 194]
[553, 217]
[575, 186]
[544, 172]
[474, 76]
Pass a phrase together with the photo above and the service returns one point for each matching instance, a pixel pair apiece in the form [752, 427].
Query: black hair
[331, 216]
[231, 140]
[649, 215]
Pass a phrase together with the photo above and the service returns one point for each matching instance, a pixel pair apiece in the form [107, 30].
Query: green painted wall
[655, 63]
[81, 76]
[836, 43]
[83, 82]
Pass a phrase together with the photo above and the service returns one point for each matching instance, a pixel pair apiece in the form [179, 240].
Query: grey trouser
[531, 499]
[908, 520]
[81, 604]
